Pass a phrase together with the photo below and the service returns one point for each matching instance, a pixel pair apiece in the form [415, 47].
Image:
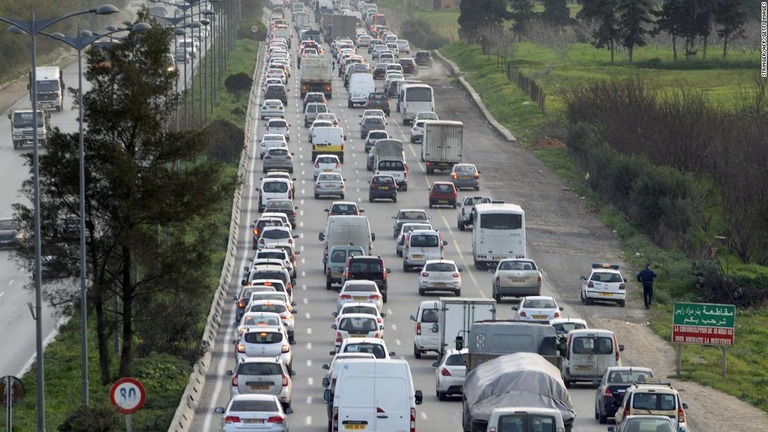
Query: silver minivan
[421, 246]
[426, 336]
[589, 352]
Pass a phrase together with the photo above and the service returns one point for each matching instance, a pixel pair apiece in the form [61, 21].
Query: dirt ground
[565, 235]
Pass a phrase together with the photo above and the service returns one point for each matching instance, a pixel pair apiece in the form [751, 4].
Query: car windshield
[440, 267]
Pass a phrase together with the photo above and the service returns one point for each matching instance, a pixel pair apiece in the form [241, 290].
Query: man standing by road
[646, 277]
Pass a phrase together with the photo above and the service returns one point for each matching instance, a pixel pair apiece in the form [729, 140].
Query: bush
[91, 419]
[421, 34]
[238, 84]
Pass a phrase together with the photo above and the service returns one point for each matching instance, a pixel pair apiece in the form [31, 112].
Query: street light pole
[84, 39]
[32, 28]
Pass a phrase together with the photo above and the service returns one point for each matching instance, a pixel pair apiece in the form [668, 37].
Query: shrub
[238, 84]
[226, 141]
[91, 418]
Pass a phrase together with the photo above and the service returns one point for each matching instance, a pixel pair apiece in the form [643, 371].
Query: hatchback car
[393, 76]
[408, 215]
[417, 131]
[612, 387]
[605, 283]
[284, 206]
[378, 100]
[379, 71]
[269, 141]
[272, 108]
[643, 422]
[537, 309]
[371, 123]
[359, 308]
[442, 194]
[278, 126]
[423, 58]
[311, 110]
[254, 412]
[382, 187]
[260, 375]
[258, 319]
[278, 92]
[9, 233]
[357, 325]
[368, 268]
[286, 313]
[359, 291]
[260, 224]
[329, 184]
[265, 342]
[374, 136]
[310, 97]
[450, 373]
[331, 117]
[465, 176]
[326, 164]
[516, 277]
[440, 275]
[278, 158]
[344, 208]
[275, 234]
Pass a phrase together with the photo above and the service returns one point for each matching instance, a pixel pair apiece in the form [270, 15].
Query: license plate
[358, 335]
[440, 284]
[354, 426]
[384, 188]
[263, 386]
[417, 256]
[442, 201]
[360, 298]
[327, 170]
[583, 368]
[516, 279]
[465, 177]
[499, 257]
[606, 294]
[252, 420]
[540, 317]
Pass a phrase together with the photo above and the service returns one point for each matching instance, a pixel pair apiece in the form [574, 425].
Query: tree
[730, 17]
[669, 20]
[555, 12]
[603, 14]
[478, 14]
[634, 18]
[704, 22]
[522, 14]
[148, 218]
[238, 83]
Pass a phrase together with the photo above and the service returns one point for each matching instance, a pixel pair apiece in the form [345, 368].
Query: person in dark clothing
[646, 277]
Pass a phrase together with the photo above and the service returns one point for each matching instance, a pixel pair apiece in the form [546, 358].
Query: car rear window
[361, 309]
[263, 337]
[253, 405]
[275, 187]
[443, 188]
[269, 274]
[365, 266]
[592, 345]
[425, 240]
[278, 123]
[278, 152]
[455, 360]
[654, 401]
[517, 265]
[256, 321]
[259, 369]
[412, 215]
[360, 288]
[391, 166]
[429, 315]
[280, 205]
[440, 267]
[357, 324]
[269, 307]
[375, 349]
[384, 180]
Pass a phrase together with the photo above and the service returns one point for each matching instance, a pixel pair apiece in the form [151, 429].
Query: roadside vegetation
[162, 351]
[667, 147]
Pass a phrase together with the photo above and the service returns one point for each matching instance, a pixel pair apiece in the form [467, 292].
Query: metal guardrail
[182, 420]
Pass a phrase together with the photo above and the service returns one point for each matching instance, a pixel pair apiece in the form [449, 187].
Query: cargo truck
[316, 76]
[491, 339]
[456, 316]
[343, 26]
[22, 130]
[50, 88]
[514, 380]
[442, 144]
[384, 148]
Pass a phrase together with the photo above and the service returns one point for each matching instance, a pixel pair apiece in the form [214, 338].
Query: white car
[271, 235]
[272, 108]
[364, 40]
[316, 125]
[404, 230]
[257, 319]
[516, 277]
[403, 46]
[440, 275]
[279, 126]
[355, 325]
[450, 374]
[605, 283]
[564, 325]
[392, 76]
[269, 141]
[360, 291]
[253, 412]
[328, 116]
[359, 307]
[329, 183]
[270, 81]
[537, 309]
[417, 131]
[374, 136]
[259, 375]
[276, 73]
[426, 115]
[464, 210]
[374, 346]
[265, 342]
[325, 163]
[280, 308]
[374, 113]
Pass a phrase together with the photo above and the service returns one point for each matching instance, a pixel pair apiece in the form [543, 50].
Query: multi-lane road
[563, 245]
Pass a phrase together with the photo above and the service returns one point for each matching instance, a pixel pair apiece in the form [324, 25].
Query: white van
[360, 86]
[589, 353]
[415, 98]
[272, 188]
[373, 395]
[328, 140]
[420, 246]
[426, 335]
[347, 230]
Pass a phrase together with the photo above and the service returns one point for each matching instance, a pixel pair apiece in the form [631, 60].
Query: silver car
[262, 375]
[265, 342]
[329, 183]
[405, 229]
[253, 412]
[272, 108]
[465, 176]
[278, 158]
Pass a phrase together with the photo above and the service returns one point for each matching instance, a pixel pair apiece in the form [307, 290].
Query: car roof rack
[653, 382]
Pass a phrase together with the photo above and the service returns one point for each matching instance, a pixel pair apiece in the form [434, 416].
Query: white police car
[604, 284]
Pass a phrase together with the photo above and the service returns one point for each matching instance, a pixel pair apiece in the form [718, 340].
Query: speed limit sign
[127, 395]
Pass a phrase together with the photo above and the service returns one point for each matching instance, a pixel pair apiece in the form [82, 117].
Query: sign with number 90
[127, 395]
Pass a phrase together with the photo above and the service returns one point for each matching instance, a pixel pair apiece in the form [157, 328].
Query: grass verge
[164, 376]
[748, 360]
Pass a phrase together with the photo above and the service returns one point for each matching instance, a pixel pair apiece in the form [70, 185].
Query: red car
[442, 193]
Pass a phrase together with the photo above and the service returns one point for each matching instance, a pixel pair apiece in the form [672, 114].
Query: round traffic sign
[127, 395]
[16, 389]
[254, 29]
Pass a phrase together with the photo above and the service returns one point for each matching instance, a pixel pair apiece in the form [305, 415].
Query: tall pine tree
[476, 15]
[603, 14]
[730, 18]
[555, 13]
[522, 14]
[634, 23]
[669, 21]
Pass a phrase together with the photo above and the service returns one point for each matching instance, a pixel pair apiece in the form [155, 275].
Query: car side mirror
[583, 278]
[445, 242]
[625, 279]
[561, 309]
[413, 318]
[333, 353]
[326, 381]
[373, 237]
[381, 327]
[293, 154]
[294, 178]
[327, 210]
[514, 308]
[436, 364]
[345, 137]
[621, 347]
[219, 410]
[392, 354]
[256, 188]
[321, 236]
[389, 270]
[419, 397]
[333, 327]
[327, 396]
[326, 366]
[230, 373]
[685, 406]
[461, 270]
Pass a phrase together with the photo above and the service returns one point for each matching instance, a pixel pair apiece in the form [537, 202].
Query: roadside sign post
[127, 395]
[11, 394]
[703, 324]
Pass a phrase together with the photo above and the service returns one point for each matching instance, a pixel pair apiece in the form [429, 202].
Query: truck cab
[23, 131]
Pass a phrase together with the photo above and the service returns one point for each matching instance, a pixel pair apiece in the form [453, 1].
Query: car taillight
[522, 314]
[293, 212]
[680, 414]
[231, 419]
[445, 372]
[418, 329]
[241, 348]
[455, 275]
[234, 381]
[286, 348]
[453, 175]
[425, 274]
[557, 315]
[626, 411]
[413, 420]
[374, 297]
[498, 281]
[538, 280]
[285, 381]
[276, 419]
[477, 176]
[622, 286]
[338, 337]
[255, 231]
[241, 304]
[345, 297]
[317, 165]
[616, 348]
[379, 320]
[338, 165]
[607, 392]
[335, 421]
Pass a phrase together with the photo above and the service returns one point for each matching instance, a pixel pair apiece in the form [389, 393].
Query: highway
[563, 245]
[17, 327]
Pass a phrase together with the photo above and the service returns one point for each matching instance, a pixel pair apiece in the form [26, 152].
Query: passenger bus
[415, 98]
[498, 233]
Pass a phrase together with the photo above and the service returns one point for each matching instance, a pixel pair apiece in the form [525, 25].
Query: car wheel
[416, 352]
[405, 187]
[622, 303]
[567, 383]
[458, 293]
[384, 297]
[405, 267]
[421, 291]
[430, 205]
[349, 104]
[394, 200]
[601, 418]
[442, 396]
[370, 199]
[496, 296]
[454, 205]
[398, 253]
[328, 283]
[477, 188]
[461, 226]
[317, 196]
[413, 141]
[581, 297]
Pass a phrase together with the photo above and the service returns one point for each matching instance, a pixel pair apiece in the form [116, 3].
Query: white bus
[498, 233]
[416, 98]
